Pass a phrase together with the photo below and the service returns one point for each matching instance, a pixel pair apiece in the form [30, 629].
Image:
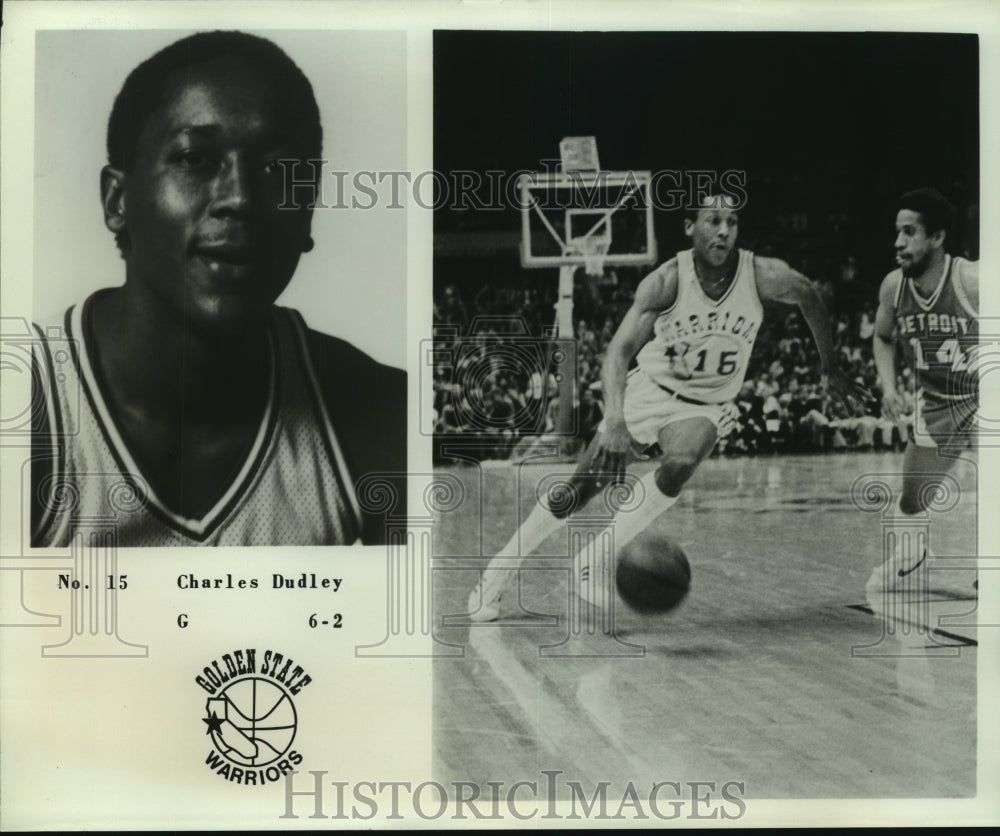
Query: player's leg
[647, 408]
[545, 519]
[898, 586]
[583, 485]
[685, 444]
[649, 411]
[938, 425]
[923, 469]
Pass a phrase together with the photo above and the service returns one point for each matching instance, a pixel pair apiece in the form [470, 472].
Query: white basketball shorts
[649, 408]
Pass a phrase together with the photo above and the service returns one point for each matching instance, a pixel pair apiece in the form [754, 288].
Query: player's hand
[841, 389]
[613, 447]
[893, 406]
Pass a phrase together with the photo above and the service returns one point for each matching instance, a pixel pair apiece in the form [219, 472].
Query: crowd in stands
[496, 370]
[487, 385]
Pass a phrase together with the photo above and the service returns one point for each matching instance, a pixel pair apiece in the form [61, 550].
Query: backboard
[590, 218]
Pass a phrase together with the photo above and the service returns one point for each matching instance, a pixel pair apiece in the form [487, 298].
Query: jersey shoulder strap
[959, 268]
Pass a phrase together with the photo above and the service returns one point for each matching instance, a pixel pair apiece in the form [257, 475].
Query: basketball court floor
[773, 671]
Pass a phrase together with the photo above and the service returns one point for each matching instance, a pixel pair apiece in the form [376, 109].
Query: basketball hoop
[583, 216]
[594, 250]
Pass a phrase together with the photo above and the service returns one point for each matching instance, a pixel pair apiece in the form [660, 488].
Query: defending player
[928, 309]
[691, 328]
[208, 415]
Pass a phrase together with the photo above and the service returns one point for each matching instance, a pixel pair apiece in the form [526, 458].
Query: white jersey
[701, 347]
[292, 489]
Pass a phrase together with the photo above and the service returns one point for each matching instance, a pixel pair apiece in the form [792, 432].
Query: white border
[21, 19]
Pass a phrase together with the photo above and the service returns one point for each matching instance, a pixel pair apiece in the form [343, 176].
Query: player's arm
[970, 283]
[42, 454]
[654, 294]
[884, 348]
[777, 282]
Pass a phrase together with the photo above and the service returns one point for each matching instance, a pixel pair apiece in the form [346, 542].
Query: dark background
[830, 128]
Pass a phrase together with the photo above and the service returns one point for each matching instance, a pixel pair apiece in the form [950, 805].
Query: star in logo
[214, 723]
[677, 355]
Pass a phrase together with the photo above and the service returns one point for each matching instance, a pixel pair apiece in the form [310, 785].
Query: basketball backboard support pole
[564, 326]
[576, 212]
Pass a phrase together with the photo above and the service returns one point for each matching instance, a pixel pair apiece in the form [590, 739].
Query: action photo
[705, 384]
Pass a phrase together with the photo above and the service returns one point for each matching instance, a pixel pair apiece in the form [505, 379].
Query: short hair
[719, 200]
[144, 89]
[936, 212]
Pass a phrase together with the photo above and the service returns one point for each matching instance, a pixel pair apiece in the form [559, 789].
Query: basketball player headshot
[187, 404]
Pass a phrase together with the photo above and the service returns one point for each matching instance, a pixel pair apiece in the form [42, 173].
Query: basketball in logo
[251, 721]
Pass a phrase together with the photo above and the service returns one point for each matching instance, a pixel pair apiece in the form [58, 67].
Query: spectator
[752, 432]
[500, 426]
[590, 415]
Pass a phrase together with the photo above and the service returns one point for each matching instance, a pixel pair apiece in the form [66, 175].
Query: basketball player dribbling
[929, 310]
[691, 329]
[191, 409]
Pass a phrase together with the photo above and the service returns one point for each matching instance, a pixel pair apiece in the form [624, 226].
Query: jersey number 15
[726, 365]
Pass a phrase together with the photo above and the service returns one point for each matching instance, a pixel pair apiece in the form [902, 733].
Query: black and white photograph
[586, 405]
[178, 195]
[707, 375]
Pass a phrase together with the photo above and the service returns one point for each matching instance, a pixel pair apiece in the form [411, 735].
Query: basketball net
[594, 251]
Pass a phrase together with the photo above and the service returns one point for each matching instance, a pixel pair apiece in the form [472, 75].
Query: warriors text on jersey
[938, 333]
[701, 347]
[292, 489]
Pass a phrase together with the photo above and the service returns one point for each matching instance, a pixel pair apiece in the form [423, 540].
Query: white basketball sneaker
[484, 600]
[895, 578]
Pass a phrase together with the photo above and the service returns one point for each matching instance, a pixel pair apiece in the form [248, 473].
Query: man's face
[207, 240]
[914, 247]
[713, 233]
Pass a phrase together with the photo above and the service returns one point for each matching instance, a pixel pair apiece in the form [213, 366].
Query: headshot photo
[220, 330]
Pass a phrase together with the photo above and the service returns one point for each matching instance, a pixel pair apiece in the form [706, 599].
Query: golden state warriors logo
[250, 715]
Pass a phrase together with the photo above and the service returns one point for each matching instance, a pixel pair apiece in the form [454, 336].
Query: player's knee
[563, 510]
[909, 505]
[672, 474]
[922, 491]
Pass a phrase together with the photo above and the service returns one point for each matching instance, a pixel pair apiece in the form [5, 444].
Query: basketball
[260, 721]
[653, 574]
